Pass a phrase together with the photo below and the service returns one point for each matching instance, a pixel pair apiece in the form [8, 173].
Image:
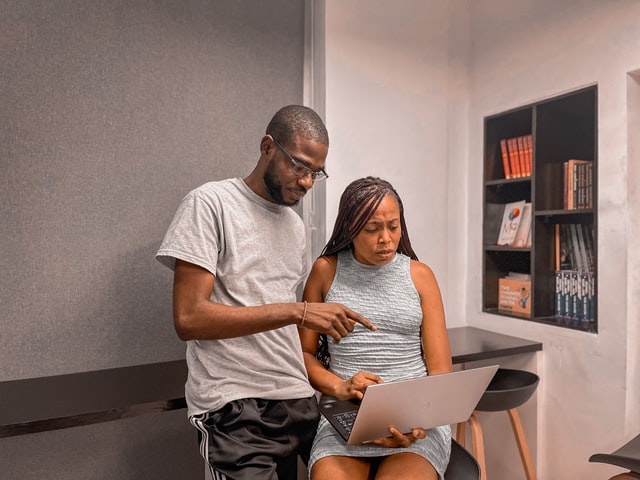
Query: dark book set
[574, 275]
[578, 184]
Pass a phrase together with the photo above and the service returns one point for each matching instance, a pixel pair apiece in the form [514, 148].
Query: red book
[514, 161]
[529, 150]
[521, 156]
[565, 175]
[505, 158]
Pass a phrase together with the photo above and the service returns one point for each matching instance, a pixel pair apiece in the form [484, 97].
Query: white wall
[633, 259]
[541, 50]
[408, 84]
[391, 68]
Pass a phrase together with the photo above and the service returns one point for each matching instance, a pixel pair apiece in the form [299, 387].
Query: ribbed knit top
[387, 296]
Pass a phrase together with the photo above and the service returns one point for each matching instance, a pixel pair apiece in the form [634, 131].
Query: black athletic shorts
[256, 439]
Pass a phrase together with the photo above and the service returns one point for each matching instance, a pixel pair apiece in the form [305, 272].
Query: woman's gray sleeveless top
[387, 296]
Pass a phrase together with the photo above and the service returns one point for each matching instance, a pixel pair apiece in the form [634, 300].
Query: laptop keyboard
[346, 419]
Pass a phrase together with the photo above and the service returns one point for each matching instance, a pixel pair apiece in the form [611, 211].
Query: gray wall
[109, 113]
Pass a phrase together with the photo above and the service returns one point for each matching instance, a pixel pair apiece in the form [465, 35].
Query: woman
[370, 266]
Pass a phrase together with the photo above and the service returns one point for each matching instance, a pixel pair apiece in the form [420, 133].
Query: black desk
[64, 401]
[469, 344]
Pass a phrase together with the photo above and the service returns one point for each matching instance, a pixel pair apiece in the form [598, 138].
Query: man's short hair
[295, 120]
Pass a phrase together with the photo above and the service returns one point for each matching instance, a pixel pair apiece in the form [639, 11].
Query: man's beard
[275, 190]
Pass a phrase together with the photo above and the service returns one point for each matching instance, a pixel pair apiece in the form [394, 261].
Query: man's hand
[334, 319]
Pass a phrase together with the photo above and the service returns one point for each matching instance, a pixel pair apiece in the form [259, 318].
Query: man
[237, 251]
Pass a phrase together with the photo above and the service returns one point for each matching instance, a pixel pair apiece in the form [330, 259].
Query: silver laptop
[424, 402]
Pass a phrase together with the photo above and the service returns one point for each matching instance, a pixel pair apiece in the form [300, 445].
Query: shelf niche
[561, 128]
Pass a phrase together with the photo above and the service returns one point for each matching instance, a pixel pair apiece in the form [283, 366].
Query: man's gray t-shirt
[256, 250]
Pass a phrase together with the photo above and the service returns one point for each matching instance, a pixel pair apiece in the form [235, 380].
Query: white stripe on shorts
[198, 422]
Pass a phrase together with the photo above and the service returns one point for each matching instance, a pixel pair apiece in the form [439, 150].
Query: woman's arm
[321, 379]
[435, 341]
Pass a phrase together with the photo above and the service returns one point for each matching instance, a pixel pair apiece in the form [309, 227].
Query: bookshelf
[561, 128]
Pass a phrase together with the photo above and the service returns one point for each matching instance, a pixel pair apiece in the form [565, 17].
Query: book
[587, 234]
[590, 186]
[522, 156]
[505, 158]
[588, 282]
[576, 301]
[559, 297]
[514, 296]
[586, 185]
[556, 245]
[565, 186]
[514, 161]
[529, 153]
[522, 234]
[492, 221]
[581, 186]
[565, 256]
[584, 261]
[511, 217]
[524, 277]
[566, 294]
[576, 191]
[574, 246]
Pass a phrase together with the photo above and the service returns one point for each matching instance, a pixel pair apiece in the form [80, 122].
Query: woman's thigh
[406, 466]
[341, 468]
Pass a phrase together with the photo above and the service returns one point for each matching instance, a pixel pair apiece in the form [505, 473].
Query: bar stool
[508, 390]
[627, 456]
[462, 465]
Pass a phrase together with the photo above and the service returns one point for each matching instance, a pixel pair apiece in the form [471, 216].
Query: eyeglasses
[299, 168]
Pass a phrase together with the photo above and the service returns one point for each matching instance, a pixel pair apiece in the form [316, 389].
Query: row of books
[574, 296]
[515, 228]
[517, 153]
[578, 184]
[574, 247]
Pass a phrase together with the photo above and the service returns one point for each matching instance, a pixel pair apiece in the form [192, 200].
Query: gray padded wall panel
[109, 113]
[151, 447]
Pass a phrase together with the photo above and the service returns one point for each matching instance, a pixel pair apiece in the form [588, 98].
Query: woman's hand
[398, 439]
[355, 386]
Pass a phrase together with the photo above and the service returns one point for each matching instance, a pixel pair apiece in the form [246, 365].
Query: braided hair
[358, 203]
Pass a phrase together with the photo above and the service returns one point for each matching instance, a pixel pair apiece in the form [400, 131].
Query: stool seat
[462, 465]
[508, 389]
[627, 456]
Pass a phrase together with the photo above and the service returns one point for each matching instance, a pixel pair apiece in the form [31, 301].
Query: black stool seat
[462, 465]
[508, 389]
[627, 456]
